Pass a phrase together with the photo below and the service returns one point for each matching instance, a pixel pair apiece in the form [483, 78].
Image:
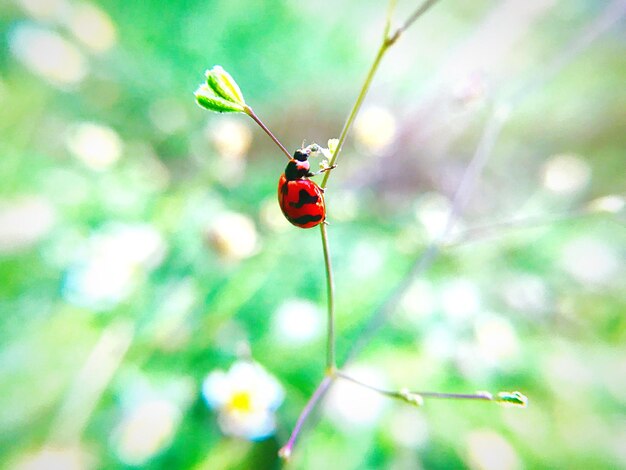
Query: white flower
[245, 398]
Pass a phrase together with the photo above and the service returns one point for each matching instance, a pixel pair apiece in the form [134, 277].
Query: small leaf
[224, 85]
[206, 98]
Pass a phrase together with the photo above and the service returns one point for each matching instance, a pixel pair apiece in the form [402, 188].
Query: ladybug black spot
[305, 219]
[304, 198]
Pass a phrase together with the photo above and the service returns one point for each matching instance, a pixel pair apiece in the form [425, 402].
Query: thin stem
[248, 110]
[423, 8]
[355, 109]
[331, 370]
[390, 8]
[388, 41]
[320, 391]
[416, 398]
[330, 288]
[344, 376]
[485, 396]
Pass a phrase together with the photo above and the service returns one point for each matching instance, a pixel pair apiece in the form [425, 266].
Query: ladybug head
[302, 155]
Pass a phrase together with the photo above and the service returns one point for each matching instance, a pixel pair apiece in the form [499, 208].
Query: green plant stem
[423, 8]
[331, 368]
[485, 396]
[330, 289]
[320, 391]
[355, 109]
[388, 41]
[248, 110]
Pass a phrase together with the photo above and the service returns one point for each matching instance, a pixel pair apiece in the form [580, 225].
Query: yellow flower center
[241, 401]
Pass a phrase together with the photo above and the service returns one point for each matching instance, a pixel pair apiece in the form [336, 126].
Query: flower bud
[224, 85]
[206, 98]
[220, 93]
[512, 399]
[414, 399]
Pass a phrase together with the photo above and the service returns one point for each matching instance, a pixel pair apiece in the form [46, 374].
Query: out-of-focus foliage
[141, 246]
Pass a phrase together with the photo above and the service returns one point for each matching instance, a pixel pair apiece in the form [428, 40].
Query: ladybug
[300, 199]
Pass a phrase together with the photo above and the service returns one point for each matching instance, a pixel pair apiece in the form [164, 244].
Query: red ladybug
[301, 200]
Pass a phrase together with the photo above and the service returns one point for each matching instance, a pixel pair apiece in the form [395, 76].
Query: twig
[417, 398]
[248, 110]
[320, 391]
[411, 19]
[388, 41]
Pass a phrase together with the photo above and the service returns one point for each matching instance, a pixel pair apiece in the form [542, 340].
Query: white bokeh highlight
[297, 321]
[351, 406]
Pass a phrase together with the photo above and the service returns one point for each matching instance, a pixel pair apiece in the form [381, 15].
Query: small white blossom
[245, 399]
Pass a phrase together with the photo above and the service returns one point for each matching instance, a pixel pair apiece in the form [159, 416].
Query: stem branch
[355, 108]
[248, 110]
[416, 398]
[320, 391]
[388, 41]
[331, 370]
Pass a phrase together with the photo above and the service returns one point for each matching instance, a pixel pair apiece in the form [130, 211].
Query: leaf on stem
[220, 93]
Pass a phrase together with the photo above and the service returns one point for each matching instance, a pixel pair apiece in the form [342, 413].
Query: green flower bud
[207, 98]
[512, 399]
[224, 85]
[411, 398]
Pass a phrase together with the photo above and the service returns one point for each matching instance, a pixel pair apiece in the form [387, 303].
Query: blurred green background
[141, 246]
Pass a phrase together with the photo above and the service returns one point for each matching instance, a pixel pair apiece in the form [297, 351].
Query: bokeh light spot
[97, 146]
[47, 54]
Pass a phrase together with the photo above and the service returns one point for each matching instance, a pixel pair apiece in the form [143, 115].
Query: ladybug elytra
[300, 199]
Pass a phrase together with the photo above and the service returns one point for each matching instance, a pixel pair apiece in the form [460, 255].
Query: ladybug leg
[323, 170]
